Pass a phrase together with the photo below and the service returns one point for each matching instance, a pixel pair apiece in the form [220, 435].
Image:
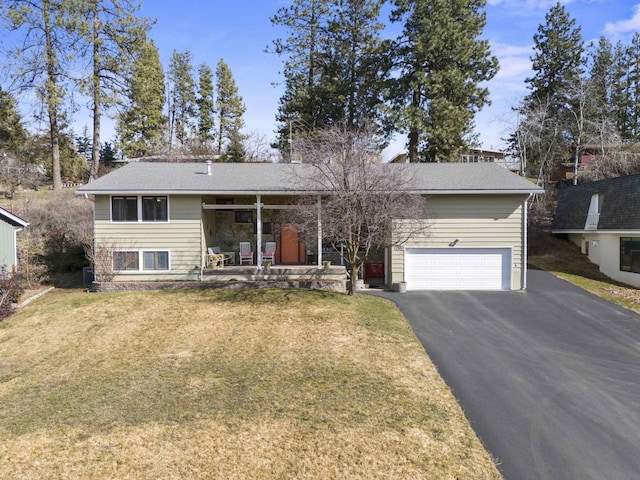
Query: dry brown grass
[225, 384]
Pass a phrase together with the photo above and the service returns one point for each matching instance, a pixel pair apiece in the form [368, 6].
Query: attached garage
[458, 268]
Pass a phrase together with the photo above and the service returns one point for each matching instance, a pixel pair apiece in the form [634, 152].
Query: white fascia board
[477, 192]
[194, 192]
[294, 192]
[600, 232]
[13, 218]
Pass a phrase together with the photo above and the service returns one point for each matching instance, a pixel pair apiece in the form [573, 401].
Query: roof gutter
[292, 192]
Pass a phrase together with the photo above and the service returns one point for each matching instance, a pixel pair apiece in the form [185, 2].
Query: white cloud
[624, 26]
[528, 4]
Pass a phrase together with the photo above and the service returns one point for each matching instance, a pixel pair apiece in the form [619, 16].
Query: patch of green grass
[251, 383]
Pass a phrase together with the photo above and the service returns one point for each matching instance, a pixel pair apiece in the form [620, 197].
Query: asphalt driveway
[549, 378]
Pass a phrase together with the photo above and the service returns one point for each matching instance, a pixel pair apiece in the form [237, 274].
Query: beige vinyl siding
[478, 221]
[7, 245]
[181, 236]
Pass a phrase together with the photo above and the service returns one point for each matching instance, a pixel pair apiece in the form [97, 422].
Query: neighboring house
[603, 219]
[10, 225]
[476, 155]
[159, 219]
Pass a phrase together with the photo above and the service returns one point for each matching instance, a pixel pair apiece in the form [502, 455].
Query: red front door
[291, 249]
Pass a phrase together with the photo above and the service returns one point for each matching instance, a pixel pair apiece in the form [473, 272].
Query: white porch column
[259, 231]
[319, 232]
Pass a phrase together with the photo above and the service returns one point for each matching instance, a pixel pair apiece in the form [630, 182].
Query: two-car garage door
[458, 268]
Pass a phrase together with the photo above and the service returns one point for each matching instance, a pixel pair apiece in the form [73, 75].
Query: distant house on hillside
[476, 155]
[10, 225]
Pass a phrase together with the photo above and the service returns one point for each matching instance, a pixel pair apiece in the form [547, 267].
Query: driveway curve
[549, 378]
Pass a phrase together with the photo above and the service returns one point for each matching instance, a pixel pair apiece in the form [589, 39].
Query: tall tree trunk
[95, 148]
[413, 132]
[52, 99]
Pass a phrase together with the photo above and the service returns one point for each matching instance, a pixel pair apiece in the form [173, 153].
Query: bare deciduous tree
[365, 206]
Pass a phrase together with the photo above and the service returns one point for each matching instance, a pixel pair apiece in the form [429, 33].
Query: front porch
[236, 273]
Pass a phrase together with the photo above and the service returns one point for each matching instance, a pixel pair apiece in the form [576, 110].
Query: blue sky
[239, 31]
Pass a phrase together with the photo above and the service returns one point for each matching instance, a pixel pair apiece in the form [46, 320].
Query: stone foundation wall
[339, 286]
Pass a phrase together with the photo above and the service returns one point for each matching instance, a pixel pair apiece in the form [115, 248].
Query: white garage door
[458, 268]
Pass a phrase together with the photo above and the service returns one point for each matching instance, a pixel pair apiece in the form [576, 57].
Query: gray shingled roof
[619, 211]
[270, 178]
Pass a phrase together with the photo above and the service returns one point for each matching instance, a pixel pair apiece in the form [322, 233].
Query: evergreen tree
[206, 104]
[441, 62]
[557, 62]
[182, 96]
[12, 132]
[632, 106]
[83, 144]
[356, 83]
[107, 155]
[111, 35]
[42, 60]
[302, 106]
[229, 107]
[335, 65]
[142, 122]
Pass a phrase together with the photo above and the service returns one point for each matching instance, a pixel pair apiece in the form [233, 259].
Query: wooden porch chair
[269, 254]
[246, 255]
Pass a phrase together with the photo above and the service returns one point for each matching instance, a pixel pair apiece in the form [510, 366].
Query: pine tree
[335, 66]
[557, 62]
[111, 35]
[12, 132]
[632, 129]
[206, 104]
[42, 58]
[441, 61]
[182, 96]
[360, 66]
[302, 106]
[142, 122]
[229, 107]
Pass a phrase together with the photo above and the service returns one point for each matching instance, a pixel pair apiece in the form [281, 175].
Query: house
[10, 225]
[603, 219]
[159, 219]
[476, 155]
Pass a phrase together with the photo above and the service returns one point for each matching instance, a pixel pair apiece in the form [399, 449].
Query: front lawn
[225, 384]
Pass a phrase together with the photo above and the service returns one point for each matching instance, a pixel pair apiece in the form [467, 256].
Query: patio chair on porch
[269, 254]
[246, 255]
[214, 258]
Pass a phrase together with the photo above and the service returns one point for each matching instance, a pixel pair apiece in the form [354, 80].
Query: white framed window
[141, 261]
[126, 260]
[155, 260]
[140, 208]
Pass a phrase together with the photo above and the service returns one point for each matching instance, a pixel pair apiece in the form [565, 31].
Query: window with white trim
[124, 209]
[139, 208]
[154, 209]
[155, 260]
[126, 261]
[143, 260]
